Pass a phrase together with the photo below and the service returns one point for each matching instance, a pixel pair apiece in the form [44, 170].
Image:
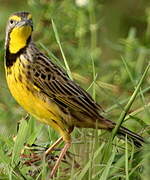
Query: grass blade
[85, 169]
[19, 142]
[130, 102]
[108, 166]
[126, 158]
[58, 41]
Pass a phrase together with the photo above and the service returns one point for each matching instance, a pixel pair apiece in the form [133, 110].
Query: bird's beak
[25, 23]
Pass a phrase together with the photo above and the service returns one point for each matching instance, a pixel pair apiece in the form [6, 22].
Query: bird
[45, 90]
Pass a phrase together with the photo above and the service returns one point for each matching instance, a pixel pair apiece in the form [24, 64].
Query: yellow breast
[29, 96]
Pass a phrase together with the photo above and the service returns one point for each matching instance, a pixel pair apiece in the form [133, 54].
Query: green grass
[104, 49]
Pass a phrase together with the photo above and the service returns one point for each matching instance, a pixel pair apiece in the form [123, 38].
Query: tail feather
[137, 139]
[109, 125]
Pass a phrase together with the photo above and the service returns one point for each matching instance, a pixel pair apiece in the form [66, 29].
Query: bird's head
[18, 32]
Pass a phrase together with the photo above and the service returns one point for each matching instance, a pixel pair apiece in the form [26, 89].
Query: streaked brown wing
[57, 85]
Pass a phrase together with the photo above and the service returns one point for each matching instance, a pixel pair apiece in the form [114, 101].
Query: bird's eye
[11, 21]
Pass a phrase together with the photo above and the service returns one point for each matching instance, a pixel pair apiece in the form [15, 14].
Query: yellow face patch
[16, 18]
[18, 38]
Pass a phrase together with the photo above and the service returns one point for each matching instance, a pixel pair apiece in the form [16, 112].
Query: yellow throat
[18, 38]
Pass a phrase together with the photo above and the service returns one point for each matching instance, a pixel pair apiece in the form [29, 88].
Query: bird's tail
[122, 131]
[137, 139]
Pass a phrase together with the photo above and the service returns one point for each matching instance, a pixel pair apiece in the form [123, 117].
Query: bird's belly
[33, 101]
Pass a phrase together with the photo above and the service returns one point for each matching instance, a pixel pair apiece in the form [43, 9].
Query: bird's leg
[51, 148]
[63, 152]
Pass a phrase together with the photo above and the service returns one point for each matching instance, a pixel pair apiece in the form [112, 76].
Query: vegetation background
[107, 47]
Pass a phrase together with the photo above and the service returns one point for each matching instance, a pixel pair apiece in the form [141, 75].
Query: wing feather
[54, 82]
